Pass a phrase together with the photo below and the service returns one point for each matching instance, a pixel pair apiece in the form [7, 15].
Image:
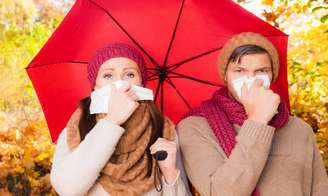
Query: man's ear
[225, 75]
[225, 81]
[272, 78]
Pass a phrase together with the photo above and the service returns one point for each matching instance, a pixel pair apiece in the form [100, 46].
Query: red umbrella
[180, 40]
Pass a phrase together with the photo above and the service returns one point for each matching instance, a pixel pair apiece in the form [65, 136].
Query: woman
[112, 154]
[243, 142]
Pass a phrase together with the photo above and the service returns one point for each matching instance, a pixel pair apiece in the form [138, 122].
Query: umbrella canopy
[180, 41]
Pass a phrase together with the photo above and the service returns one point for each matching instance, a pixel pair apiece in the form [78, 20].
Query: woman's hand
[167, 166]
[122, 103]
[260, 103]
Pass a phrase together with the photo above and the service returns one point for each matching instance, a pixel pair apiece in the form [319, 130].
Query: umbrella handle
[160, 155]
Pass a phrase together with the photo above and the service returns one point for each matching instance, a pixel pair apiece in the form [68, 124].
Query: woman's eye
[108, 76]
[238, 70]
[130, 75]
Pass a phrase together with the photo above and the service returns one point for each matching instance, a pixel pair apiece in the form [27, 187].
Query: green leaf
[319, 8]
[295, 62]
[324, 18]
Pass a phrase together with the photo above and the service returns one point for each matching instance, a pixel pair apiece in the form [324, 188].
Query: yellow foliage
[25, 146]
[26, 156]
[308, 81]
[10, 8]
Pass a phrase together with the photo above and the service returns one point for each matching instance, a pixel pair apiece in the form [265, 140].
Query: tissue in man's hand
[238, 83]
[100, 97]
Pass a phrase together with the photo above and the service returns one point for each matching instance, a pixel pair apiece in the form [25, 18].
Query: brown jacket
[284, 162]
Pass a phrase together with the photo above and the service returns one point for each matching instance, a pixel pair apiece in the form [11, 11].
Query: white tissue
[238, 83]
[101, 97]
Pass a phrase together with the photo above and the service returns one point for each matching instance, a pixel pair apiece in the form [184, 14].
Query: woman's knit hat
[111, 51]
[247, 38]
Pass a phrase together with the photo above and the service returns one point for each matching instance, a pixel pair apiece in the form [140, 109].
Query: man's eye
[108, 76]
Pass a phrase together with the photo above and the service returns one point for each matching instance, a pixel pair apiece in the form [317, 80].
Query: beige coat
[284, 162]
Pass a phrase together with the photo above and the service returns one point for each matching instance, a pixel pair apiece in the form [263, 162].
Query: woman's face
[118, 68]
[250, 65]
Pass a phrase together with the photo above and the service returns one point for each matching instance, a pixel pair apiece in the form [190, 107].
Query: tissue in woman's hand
[100, 97]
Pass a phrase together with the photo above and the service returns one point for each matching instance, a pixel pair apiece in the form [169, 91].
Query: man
[243, 142]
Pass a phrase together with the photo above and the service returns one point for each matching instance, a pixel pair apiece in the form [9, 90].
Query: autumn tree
[25, 146]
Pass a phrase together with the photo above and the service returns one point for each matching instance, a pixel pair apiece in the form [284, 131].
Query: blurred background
[26, 149]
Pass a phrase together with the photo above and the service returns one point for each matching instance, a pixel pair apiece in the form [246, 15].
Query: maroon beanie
[111, 51]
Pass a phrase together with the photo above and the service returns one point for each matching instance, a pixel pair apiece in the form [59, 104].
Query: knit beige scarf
[126, 171]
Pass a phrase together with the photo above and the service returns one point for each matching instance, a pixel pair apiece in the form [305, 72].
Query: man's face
[250, 65]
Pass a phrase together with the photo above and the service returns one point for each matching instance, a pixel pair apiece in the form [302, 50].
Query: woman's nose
[118, 78]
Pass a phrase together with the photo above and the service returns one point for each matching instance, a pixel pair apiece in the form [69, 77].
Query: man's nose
[251, 74]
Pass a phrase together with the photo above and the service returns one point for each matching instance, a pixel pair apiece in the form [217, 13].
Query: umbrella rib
[74, 62]
[152, 75]
[157, 89]
[152, 79]
[152, 68]
[162, 97]
[192, 78]
[179, 93]
[177, 65]
[173, 35]
[126, 32]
